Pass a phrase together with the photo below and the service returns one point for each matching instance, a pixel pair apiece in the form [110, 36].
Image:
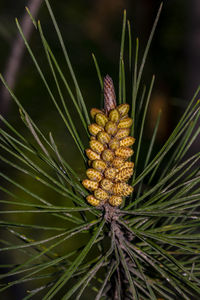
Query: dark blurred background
[94, 26]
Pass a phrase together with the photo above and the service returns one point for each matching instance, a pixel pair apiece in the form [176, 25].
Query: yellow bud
[101, 119]
[94, 128]
[124, 174]
[127, 164]
[89, 162]
[101, 194]
[114, 115]
[92, 200]
[106, 184]
[127, 142]
[125, 123]
[114, 144]
[103, 137]
[118, 162]
[92, 155]
[123, 109]
[94, 111]
[122, 133]
[96, 146]
[111, 128]
[122, 189]
[99, 165]
[124, 152]
[90, 184]
[107, 155]
[94, 174]
[115, 200]
[110, 173]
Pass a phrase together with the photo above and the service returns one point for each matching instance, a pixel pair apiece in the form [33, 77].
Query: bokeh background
[94, 26]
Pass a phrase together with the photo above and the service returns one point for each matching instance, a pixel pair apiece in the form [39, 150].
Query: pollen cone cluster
[109, 168]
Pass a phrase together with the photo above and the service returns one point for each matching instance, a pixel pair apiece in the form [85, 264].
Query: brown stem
[109, 94]
[120, 236]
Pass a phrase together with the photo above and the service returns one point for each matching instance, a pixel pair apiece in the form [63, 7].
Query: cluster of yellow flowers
[108, 154]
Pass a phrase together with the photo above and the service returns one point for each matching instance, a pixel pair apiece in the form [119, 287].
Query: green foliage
[147, 249]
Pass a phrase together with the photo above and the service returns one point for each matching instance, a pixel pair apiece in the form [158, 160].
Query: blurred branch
[16, 54]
